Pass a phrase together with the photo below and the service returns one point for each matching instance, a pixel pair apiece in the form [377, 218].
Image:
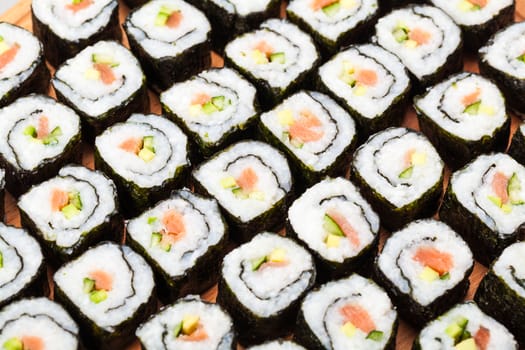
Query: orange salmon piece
[174, 19]
[273, 264]
[247, 180]
[319, 4]
[471, 98]
[80, 6]
[59, 199]
[200, 99]
[499, 186]
[359, 317]
[199, 335]
[33, 343]
[438, 261]
[419, 35]
[303, 132]
[264, 47]
[106, 73]
[132, 145]
[480, 3]
[310, 120]
[43, 127]
[366, 77]
[346, 227]
[408, 157]
[103, 280]
[9, 55]
[173, 222]
[482, 338]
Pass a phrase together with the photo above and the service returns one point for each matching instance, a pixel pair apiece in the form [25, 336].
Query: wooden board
[20, 14]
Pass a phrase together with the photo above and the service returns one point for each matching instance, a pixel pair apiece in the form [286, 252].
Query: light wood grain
[20, 14]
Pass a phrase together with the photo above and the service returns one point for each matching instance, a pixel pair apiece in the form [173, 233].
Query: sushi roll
[262, 283]
[189, 323]
[334, 23]
[484, 204]
[215, 108]
[425, 268]
[68, 26]
[37, 323]
[108, 300]
[41, 136]
[22, 268]
[184, 239]
[465, 326]
[252, 183]
[478, 20]
[501, 293]
[71, 212]
[103, 84]
[370, 83]
[277, 345]
[146, 156]
[463, 117]
[502, 59]
[425, 39]
[337, 225]
[277, 58]
[171, 39]
[400, 174]
[22, 65]
[517, 145]
[318, 136]
[351, 313]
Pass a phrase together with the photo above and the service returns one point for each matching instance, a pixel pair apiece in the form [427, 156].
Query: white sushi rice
[512, 261]
[42, 318]
[71, 25]
[132, 283]
[306, 216]
[338, 128]
[19, 149]
[215, 82]
[474, 17]
[169, 142]
[435, 337]
[443, 105]
[423, 60]
[22, 258]
[298, 47]
[321, 310]
[242, 7]
[333, 26]
[503, 50]
[23, 65]
[277, 345]
[472, 186]
[92, 96]
[268, 290]
[203, 226]
[396, 260]
[157, 333]
[271, 167]
[162, 41]
[98, 203]
[381, 160]
[391, 76]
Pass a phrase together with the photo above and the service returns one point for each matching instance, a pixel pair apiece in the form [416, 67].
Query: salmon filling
[437, 263]
[244, 186]
[102, 69]
[142, 147]
[360, 79]
[507, 191]
[336, 226]
[77, 5]
[277, 258]
[97, 285]
[26, 342]
[357, 318]
[69, 203]
[190, 329]
[7, 53]
[41, 132]
[306, 128]
[411, 37]
[264, 53]
[204, 103]
[168, 17]
[173, 229]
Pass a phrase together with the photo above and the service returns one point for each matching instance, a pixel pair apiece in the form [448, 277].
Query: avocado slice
[98, 296]
[332, 9]
[473, 109]
[375, 335]
[514, 190]
[330, 226]
[147, 142]
[400, 34]
[407, 173]
[467, 344]
[177, 329]
[190, 324]
[209, 108]
[146, 154]
[74, 199]
[70, 211]
[13, 344]
[278, 57]
[88, 285]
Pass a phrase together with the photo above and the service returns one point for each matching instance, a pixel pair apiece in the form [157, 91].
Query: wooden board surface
[20, 14]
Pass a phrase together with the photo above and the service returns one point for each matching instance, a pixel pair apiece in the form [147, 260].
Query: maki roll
[465, 326]
[230, 18]
[503, 61]
[400, 174]
[277, 58]
[22, 268]
[351, 313]
[464, 117]
[251, 182]
[277, 345]
[478, 19]
[517, 145]
[484, 204]
[184, 239]
[146, 156]
[501, 293]
[425, 39]
[314, 131]
[103, 84]
[334, 23]
[71, 212]
[370, 83]
[37, 324]
[41, 136]
[189, 323]
[337, 225]
[425, 269]
[68, 26]
[22, 66]
[215, 108]
[108, 300]
[262, 283]
[171, 40]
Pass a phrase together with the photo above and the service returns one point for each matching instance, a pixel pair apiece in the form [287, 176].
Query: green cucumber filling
[74, 205]
[375, 335]
[331, 227]
[96, 296]
[147, 151]
[278, 57]
[407, 173]
[514, 190]
[156, 241]
[216, 104]
[332, 9]
[473, 109]
[177, 330]
[400, 34]
[51, 139]
[152, 220]
[104, 59]
[521, 58]
[13, 344]
[163, 15]
[257, 263]
[458, 330]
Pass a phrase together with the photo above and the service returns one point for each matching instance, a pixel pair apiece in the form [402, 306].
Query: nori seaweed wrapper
[135, 3]
[517, 146]
[58, 49]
